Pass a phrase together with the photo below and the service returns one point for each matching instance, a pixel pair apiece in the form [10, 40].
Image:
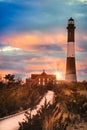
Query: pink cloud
[82, 65]
[79, 49]
[27, 41]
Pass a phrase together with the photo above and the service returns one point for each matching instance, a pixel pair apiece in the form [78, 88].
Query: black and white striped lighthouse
[70, 62]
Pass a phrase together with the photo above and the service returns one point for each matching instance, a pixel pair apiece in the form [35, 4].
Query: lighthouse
[70, 61]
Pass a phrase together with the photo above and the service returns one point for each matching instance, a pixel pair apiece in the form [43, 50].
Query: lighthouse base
[70, 70]
[71, 78]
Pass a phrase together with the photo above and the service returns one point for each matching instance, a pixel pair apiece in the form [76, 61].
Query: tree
[10, 79]
[2, 84]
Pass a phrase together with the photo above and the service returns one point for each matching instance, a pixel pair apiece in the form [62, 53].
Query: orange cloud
[49, 64]
[27, 41]
[79, 49]
[81, 65]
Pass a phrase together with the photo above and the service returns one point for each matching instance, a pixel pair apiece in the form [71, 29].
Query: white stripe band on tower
[71, 49]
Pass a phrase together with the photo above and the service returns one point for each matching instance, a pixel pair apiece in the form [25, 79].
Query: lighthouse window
[71, 22]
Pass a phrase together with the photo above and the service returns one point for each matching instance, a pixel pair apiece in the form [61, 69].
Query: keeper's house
[40, 79]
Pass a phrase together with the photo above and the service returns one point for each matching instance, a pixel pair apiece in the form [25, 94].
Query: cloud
[84, 1]
[81, 42]
[17, 16]
[33, 35]
[56, 41]
[34, 41]
[28, 64]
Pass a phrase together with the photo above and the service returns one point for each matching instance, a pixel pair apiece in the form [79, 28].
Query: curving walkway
[11, 122]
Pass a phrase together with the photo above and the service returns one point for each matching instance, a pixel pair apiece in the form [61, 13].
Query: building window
[39, 83]
[43, 83]
[43, 79]
[47, 79]
[39, 79]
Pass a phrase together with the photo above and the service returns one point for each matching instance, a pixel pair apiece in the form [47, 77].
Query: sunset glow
[33, 36]
[58, 75]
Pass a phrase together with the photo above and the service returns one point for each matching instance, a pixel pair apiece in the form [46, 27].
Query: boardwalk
[11, 122]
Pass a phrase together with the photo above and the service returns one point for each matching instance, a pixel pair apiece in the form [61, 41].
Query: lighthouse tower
[70, 62]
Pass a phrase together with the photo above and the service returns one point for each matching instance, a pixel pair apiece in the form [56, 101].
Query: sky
[33, 36]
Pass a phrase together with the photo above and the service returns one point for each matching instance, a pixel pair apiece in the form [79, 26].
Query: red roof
[43, 73]
[33, 76]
